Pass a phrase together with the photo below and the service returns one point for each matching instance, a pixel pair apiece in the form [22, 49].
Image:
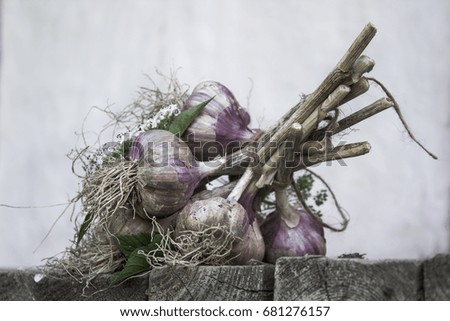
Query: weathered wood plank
[436, 278]
[318, 278]
[212, 283]
[22, 285]
[307, 278]
[14, 286]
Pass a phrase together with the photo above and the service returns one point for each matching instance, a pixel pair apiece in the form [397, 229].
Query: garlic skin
[255, 247]
[250, 248]
[212, 212]
[167, 173]
[283, 239]
[221, 126]
[125, 222]
[232, 217]
[291, 231]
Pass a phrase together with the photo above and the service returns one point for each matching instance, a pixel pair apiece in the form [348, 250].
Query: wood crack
[238, 287]
[184, 284]
[322, 272]
[420, 282]
[26, 284]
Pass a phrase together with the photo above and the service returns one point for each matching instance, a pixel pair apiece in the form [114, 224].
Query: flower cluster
[160, 120]
[112, 152]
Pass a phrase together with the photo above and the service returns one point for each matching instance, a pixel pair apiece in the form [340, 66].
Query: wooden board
[23, 286]
[211, 283]
[436, 278]
[293, 279]
[318, 278]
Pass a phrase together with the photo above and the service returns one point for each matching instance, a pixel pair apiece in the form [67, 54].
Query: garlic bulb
[290, 231]
[230, 216]
[212, 212]
[167, 172]
[221, 126]
[124, 222]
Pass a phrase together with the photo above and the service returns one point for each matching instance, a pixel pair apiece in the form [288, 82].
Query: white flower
[97, 158]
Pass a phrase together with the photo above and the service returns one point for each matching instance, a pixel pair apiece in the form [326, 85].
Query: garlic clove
[221, 126]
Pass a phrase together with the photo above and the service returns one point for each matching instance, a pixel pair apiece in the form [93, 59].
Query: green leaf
[121, 151]
[186, 117]
[321, 197]
[305, 184]
[136, 262]
[129, 243]
[84, 227]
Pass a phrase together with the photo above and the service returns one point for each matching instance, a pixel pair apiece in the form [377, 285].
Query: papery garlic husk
[229, 218]
[291, 231]
[125, 222]
[221, 126]
[255, 247]
[167, 173]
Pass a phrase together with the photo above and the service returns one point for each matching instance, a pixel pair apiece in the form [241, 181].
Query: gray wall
[59, 58]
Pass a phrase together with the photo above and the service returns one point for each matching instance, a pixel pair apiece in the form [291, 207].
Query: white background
[253, 310]
[60, 58]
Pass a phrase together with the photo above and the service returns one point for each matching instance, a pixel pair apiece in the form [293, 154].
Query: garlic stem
[341, 73]
[286, 211]
[329, 104]
[311, 147]
[279, 160]
[286, 165]
[338, 153]
[221, 191]
[362, 65]
[357, 117]
[270, 167]
[366, 112]
[308, 121]
[249, 173]
[357, 47]
[212, 167]
[357, 89]
[241, 185]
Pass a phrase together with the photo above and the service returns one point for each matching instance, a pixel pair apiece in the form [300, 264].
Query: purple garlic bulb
[290, 231]
[167, 172]
[221, 126]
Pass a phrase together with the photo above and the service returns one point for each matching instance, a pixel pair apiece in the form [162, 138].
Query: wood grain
[292, 278]
[318, 278]
[22, 286]
[436, 278]
[212, 283]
